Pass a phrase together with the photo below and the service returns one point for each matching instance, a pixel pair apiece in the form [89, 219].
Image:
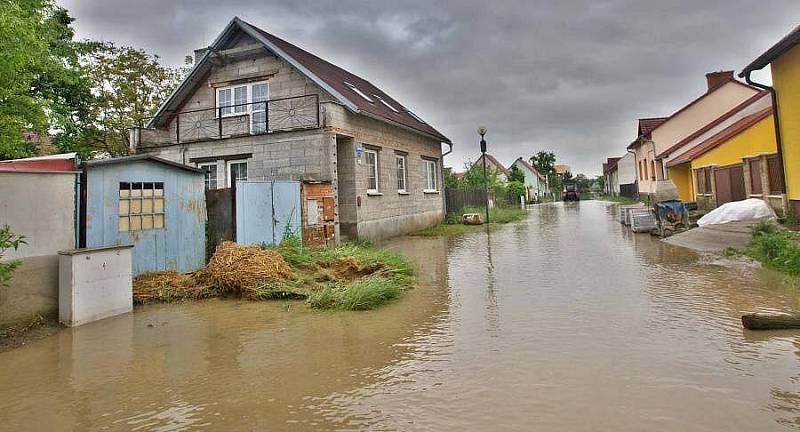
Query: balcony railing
[252, 118]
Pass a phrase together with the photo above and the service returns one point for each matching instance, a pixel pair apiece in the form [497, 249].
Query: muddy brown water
[565, 321]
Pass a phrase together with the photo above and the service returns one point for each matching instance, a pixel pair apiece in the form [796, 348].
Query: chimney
[715, 79]
[198, 54]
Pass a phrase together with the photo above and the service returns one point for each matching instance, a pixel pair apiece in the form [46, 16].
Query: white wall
[40, 206]
[626, 169]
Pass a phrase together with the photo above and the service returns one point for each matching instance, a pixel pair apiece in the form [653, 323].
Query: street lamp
[482, 132]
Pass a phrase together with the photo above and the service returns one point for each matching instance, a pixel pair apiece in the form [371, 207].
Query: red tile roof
[610, 164]
[491, 159]
[713, 124]
[721, 137]
[646, 125]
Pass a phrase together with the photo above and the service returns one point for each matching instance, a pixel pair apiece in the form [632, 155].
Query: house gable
[353, 92]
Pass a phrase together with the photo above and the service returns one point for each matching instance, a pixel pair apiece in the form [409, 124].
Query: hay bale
[236, 268]
[165, 286]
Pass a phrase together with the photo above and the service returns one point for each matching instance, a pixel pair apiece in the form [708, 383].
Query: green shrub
[8, 240]
[360, 295]
[776, 248]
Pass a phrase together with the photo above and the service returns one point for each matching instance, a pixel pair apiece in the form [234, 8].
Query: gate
[729, 184]
[265, 210]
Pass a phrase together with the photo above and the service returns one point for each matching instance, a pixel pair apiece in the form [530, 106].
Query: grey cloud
[567, 76]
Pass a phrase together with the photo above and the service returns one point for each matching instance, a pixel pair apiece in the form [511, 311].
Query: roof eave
[788, 42]
[442, 138]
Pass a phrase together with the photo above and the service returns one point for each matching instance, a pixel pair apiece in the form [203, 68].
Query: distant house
[256, 107]
[655, 136]
[784, 61]
[493, 164]
[620, 176]
[535, 183]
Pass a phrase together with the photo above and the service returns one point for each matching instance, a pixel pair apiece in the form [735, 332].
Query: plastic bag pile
[752, 209]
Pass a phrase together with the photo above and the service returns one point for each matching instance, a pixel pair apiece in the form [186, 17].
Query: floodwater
[564, 322]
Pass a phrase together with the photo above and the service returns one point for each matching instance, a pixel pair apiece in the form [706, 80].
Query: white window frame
[243, 109]
[426, 166]
[404, 158]
[228, 169]
[376, 171]
[216, 174]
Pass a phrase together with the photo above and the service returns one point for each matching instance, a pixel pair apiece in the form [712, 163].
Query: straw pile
[236, 269]
[166, 286]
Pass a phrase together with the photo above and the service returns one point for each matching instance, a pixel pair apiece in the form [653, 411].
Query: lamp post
[482, 132]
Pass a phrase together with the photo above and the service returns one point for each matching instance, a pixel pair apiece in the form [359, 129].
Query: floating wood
[771, 321]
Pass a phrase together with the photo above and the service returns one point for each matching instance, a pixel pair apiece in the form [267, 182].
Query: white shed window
[141, 206]
[429, 175]
[237, 171]
[402, 175]
[210, 174]
[371, 158]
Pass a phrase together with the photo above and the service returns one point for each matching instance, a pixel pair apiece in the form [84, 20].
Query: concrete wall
[180, 245]
[626, 169]
[786, 79]
[390, 213]
[95, 284]
[50, 197]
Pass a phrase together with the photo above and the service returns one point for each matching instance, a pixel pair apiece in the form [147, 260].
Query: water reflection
[566, 321]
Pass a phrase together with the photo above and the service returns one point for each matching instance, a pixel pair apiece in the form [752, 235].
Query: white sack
[752, 209]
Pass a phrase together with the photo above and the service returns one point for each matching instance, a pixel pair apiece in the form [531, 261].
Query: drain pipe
[775, 119]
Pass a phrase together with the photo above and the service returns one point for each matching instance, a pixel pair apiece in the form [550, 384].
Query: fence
[457, 199]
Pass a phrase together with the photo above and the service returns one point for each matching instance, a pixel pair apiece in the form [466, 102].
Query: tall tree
[129, 85]
[42, 87]
[544, 162]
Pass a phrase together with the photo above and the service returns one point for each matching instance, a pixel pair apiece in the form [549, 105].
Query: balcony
[230, 121]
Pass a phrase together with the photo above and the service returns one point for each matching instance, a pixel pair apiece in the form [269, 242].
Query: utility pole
[482, 132]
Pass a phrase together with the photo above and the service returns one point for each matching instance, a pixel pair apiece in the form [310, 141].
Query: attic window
[388, 105]
[360, 93]
[415, 117]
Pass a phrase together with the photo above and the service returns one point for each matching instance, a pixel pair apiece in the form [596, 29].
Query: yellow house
[657, 137]
[784, 61]
[736, 163]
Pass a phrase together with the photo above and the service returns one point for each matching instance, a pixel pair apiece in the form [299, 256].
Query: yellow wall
[681, 176]
[786, 80]
[759, 138]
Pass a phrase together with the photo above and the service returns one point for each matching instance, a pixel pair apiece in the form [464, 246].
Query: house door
[729, 184]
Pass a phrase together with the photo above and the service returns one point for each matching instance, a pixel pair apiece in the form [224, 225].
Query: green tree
[8, 240]
[42, 87]
[129, 85]
[473, 177]
[544, 161]
[516, 188]
[516, 175]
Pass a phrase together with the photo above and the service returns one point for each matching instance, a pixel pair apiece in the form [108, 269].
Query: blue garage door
[265, 210]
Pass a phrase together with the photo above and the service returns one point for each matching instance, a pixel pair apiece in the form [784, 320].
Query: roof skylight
[388, 105]
[416, 117]
[359, 92]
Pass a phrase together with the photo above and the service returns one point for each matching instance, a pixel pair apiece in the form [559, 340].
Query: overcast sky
[568, 76]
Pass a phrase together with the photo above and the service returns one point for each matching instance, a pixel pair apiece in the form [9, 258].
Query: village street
[565, 321]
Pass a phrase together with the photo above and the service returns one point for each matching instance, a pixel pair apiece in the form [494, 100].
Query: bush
[776, 248]
[8, 240]
[361, 295]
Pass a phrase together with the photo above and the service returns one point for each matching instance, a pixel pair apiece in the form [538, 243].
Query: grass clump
[360, 295]
[775, 248]
[452, 222]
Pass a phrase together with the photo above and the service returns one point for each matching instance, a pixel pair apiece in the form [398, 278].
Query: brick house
[257, 107]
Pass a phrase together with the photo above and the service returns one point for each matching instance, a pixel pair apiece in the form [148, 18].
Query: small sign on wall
[359, 151]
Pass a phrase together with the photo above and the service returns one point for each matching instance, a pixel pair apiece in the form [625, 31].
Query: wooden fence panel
[221, 218]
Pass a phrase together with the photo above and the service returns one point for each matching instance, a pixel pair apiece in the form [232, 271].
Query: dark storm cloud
[567, 76]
